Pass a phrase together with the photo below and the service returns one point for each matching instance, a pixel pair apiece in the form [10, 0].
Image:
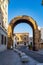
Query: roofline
[21, 33]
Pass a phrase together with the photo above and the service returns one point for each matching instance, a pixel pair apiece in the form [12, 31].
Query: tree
[42, 2]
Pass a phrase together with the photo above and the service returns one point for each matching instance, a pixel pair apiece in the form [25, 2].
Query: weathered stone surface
[28, 20]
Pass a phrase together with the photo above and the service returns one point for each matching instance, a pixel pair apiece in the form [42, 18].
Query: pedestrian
[14, 42]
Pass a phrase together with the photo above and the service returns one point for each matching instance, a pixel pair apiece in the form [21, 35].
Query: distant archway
[29, 20]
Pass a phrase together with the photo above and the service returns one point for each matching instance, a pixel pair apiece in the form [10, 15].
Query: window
[24, 43]
[2, 39]
[0, 23]
[5, 40]
[0, 10]
[17, 42]
[17, 38]
[24, 38]
[3, 24]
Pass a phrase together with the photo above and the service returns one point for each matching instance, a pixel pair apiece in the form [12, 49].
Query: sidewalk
[40, 51]
[2, 48]
[9, 57]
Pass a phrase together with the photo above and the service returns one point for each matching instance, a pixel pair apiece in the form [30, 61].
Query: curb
[23, 56]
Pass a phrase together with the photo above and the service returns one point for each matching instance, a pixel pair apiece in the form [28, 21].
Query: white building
[41, 33]
[41, 42]
[31, 41]
[3, 22]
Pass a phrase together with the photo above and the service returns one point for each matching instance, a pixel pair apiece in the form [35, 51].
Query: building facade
[41, 33]
[22, 38]
[41, 42]
[3, 22]
[31, 41]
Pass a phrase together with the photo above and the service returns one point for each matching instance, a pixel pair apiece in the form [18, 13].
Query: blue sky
[31, 8]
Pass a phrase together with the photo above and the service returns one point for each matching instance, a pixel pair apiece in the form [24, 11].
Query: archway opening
[24, 34]
[31, 42]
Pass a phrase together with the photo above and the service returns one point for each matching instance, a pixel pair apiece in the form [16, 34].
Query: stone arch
[29, 20]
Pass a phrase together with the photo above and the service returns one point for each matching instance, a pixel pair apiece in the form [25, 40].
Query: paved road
[33, 54]
[9, 57]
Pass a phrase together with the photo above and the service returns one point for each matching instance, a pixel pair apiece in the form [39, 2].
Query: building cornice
[22, 33]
